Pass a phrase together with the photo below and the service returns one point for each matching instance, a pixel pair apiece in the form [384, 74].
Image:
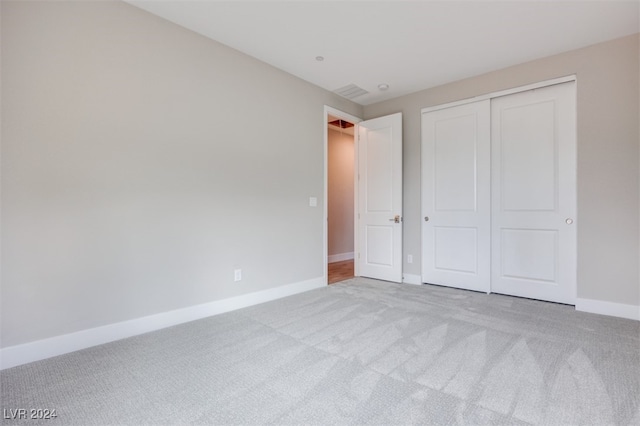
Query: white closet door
[455, 196]
[533, 155]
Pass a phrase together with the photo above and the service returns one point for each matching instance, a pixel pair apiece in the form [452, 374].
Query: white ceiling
[410, 46]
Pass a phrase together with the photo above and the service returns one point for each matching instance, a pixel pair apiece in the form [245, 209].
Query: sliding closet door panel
[455, 196]
[533, 151]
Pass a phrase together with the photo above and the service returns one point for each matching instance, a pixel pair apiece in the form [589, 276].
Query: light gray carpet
[359, 352]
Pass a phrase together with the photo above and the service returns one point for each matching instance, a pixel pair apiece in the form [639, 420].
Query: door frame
[500, 93]
[325, 221]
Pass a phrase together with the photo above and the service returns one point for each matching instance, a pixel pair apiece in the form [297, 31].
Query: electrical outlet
[237, 274]
[409, 258]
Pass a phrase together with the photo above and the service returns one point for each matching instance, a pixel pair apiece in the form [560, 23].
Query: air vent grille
[351, 91]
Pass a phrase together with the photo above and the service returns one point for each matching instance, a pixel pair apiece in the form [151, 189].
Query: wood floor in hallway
[340, 271]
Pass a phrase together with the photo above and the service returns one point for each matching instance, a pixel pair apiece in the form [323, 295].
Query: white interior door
[533, 153]
[455, 196]
[380, 198]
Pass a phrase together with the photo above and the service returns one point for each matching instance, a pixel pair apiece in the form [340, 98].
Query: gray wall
[141, 164]
[340, 195]
[608, 162]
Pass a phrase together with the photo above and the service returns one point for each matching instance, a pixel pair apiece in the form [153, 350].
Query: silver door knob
[568, 221]
[395, 219]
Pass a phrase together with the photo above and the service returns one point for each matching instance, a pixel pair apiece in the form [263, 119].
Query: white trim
[411, 279]
[340, 257]
[59, 345]
[356, 200]
[325, 221]
[500, 93]
[608, 308]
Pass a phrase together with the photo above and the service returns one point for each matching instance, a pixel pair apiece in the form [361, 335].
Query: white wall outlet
[409, 258]
[237, 274]
[313, 201]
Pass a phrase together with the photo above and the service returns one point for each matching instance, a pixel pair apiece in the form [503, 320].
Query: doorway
[340, 199]
[377, 195]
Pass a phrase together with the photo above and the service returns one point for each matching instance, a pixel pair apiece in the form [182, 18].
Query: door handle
[396, 219]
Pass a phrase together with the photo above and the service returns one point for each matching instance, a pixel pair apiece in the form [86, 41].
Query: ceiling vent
[351, 91]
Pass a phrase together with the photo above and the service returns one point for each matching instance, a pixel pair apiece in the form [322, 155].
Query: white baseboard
[608, 308]
[339, 257]
[58, 345]
[411, 279]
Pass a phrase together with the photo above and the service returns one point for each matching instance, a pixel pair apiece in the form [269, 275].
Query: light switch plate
[313, 201]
